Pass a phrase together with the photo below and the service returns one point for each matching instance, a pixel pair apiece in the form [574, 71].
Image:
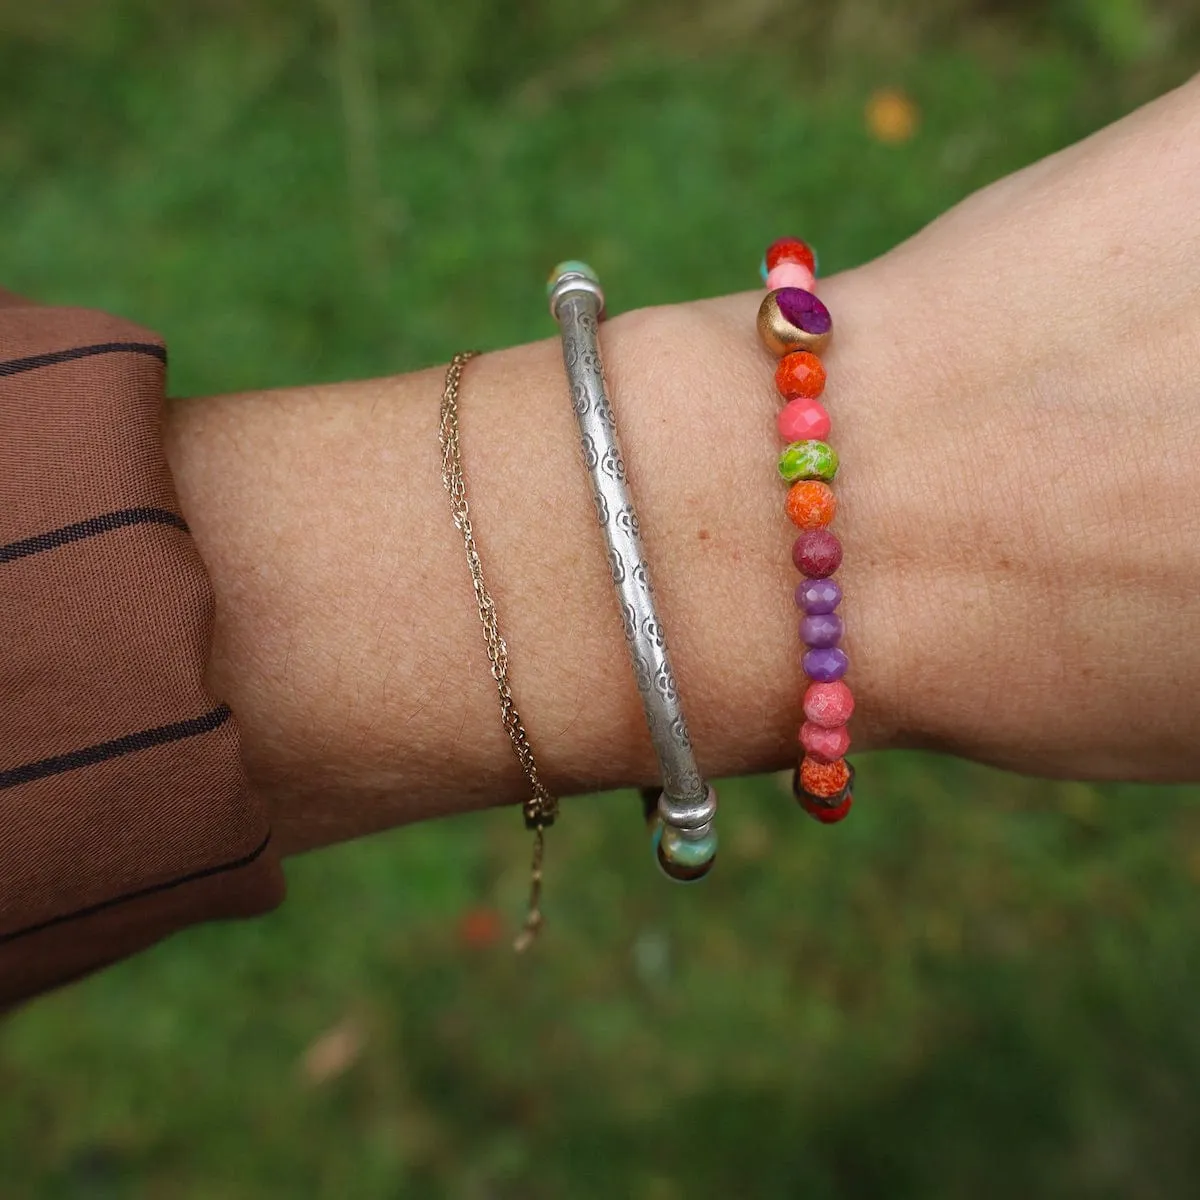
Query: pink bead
[825, 745]
[803, 420]
[791, 274]
[828, 704]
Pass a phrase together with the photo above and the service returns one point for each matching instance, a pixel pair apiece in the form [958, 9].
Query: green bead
[687, 852]
[572, 266]
[683, 858]
[808, 460]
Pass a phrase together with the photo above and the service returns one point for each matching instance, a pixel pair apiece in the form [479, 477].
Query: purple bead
[818, 595]
[825, 666]
[821, 630]
[804, 310]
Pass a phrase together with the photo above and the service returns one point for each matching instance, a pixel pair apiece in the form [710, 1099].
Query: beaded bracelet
[795, 326]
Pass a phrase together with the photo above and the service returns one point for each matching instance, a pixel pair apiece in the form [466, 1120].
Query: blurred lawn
[980, 986]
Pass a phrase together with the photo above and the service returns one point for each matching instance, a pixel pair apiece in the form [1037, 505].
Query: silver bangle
[685, 839]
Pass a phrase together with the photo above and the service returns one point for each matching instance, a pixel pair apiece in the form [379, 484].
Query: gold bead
[780, 336]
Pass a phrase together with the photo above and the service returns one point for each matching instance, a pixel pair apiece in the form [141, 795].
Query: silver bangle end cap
[572, 277]
[693, 815]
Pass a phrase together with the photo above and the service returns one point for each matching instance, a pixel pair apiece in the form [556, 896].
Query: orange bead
[823, 779]
[811, 504]
[800, 374]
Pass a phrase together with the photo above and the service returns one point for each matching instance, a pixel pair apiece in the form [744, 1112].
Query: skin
[1015, 402]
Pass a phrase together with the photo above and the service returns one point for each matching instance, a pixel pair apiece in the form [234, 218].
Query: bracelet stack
[795, 326]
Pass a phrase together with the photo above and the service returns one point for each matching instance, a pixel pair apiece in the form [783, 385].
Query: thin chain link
[542, 807]
[533, 918]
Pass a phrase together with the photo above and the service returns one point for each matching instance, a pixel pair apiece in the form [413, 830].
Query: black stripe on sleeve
[152, 889]
[129, 744]
[90, 528]
[15, 366]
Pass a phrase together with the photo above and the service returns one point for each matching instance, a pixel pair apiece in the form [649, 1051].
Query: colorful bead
[818, 595]
[804, 310]
[572, 266]
[823, 779]
[821, 630]
[826, 814]
[800, 374]
[810, 504]
[817, 553]
[825, 665]
[803, 420]
[684, 858]
[826, 808]
[825, 745]
[791, 274]
[790, 250]
[793, 319]
[812, 459]
[828, 704]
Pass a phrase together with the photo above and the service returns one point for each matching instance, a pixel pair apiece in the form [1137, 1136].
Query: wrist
[347, 639]
[694, 392]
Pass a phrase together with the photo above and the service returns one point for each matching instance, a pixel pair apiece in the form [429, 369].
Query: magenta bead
[803, 420]
[817, 553]
[801, 308]
[825, 666]
[818, 595]
[825, 745]
[821, 630]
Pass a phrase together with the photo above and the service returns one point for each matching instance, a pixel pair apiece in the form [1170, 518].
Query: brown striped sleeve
[124, 810]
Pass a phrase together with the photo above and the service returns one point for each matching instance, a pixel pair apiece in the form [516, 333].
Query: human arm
[1012, 393]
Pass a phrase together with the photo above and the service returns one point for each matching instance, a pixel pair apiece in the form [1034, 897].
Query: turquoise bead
[681, 858]
[690, 853]
[808, 460]
[571, 266]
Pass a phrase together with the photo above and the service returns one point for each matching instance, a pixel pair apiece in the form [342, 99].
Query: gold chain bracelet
[542, 807]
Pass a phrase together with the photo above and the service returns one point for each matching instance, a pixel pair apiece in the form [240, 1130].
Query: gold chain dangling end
[542, 807]
[533, 918]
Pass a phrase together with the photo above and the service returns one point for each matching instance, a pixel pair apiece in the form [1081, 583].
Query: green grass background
[980, 986]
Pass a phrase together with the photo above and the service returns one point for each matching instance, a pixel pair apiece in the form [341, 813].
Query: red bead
[824, 813]
[800, 374]
[791, 250]
[817, 553]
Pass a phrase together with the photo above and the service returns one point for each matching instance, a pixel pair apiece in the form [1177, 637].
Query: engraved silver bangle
[685, 839]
